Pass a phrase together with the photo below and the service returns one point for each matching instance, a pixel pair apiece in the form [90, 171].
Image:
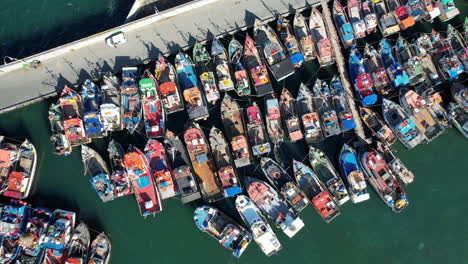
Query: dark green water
[431, 230]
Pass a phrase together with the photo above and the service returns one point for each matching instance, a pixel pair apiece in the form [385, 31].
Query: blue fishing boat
[394, 69]
[345, 29]
[92, 101]
[196, 103]
[353, 175]
[290, 41]
[362, 80]
[58, 236]
[38, 222]
[131, 101]
[342, 108]
[100, 177]
[13, 219]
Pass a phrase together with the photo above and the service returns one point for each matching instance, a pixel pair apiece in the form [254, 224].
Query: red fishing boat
[146, 193]
[256, 66]
[70, 102]
[152, 107]
[167, 86]
[162, 171]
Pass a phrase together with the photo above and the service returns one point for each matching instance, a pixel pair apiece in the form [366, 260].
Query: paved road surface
[166, 32]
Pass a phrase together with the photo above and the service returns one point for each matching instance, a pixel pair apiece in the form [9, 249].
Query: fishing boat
[258, 225]
[404, 18]
[281, 180]
[58, 235]
[388, 21]
[460, 95]
[302, 32]
[221, 62]
[426, 64]
[222, 158]
[395, 164]
[235, 57]
[320, 38]
[283, 26]
[353, 175]
[183, 171]
[419, 110]
[431, 9]
[361, 78]
[315, 191]
[459, 45]
[411, 64]
[111, 100]
[273, 205]
[36, 228]
[221, 227]
[380, 177]
[14, 218]
[168, 86]
[62, 145]
[119, 177]
[203, 165]
[437, 106]
[375, 124]
[288, 109]
[415, 8]
[72, 109]
[328, 118]
[161, 169]
[354, 9]
[369, 16]
[144, 186]
[450, 66]
[97, 168]
[329, 176]
[131, 101]
[270, 46]
[256, 67]
[196, 102]
[92, 101]
[153, 110]
[459, 118]
[401, 124]
[448, 10]
[9, 250]
[273, 119]
[100, 250]
[232, 117]
[78, 246]
[394, 69]
[203, 67]
[309, 115]
[345, 29]
[340, 103]
[256, 131]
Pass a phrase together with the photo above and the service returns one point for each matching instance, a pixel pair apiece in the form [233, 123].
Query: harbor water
[431, 230]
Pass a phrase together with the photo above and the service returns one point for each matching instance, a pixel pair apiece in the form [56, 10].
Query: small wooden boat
[290, 42]
[204, 69]
[320, 37]
[221, 62]
[257, 68]
[288, 108]
[301, 29]
[168, 86]
[235, 57]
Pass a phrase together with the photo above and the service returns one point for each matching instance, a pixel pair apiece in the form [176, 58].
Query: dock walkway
[165, 32]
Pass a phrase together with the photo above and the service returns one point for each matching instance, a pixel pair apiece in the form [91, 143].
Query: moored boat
[415, 8]
[92, 101]
[119, 176]
[110, 107]
[273, 205]
[354, 9]
[345, 29]
[58, 236]
[353, 175]
[270, 46]
[460, 95]
[36, 228]
[395, 164]
[13, 219]
[369, 16]
[411, 64]
[203, 67]
[222, 157]
[97, 168]
[62, 145]
[257, 68]
[144, 186]
[100, 250]
[383, 181]
[315, 191]
[256, 131]
[448, 10]
[195, 100]
[431, 9]
[221, 62]
[273, 119]
[459, 118]
[131, 101]
[401, 124]
[361, 78]
[388, 23]
[288, 109]
[242, 84]
[258, 225]
[183, 171]
[161, 169]
[459, 45]
[290, 42]
[309, 115]
[321, 40]
[232, 117]
[340, 103]
[281, 180]
[394, 69]
[203, 165]
[404, 18]
[328, 174]
[153, 110]
[328, 118]
[72, 109]
[221, 227]
[169, 91]
[77, 252]
[302, 32]
[375, 124]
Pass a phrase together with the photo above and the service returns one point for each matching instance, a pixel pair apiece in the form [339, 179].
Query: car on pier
[116, 39]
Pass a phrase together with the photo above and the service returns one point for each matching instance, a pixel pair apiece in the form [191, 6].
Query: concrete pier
[162, 33]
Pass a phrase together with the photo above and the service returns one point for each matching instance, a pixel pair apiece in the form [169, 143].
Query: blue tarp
[348, 124]
[348, 34]
[233, 191]
[297, 58]
[143, 182]
[369, 100]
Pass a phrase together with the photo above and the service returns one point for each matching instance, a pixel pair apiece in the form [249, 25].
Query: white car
[116, 39]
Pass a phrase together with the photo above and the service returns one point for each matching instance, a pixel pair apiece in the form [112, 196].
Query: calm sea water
[431, 230]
